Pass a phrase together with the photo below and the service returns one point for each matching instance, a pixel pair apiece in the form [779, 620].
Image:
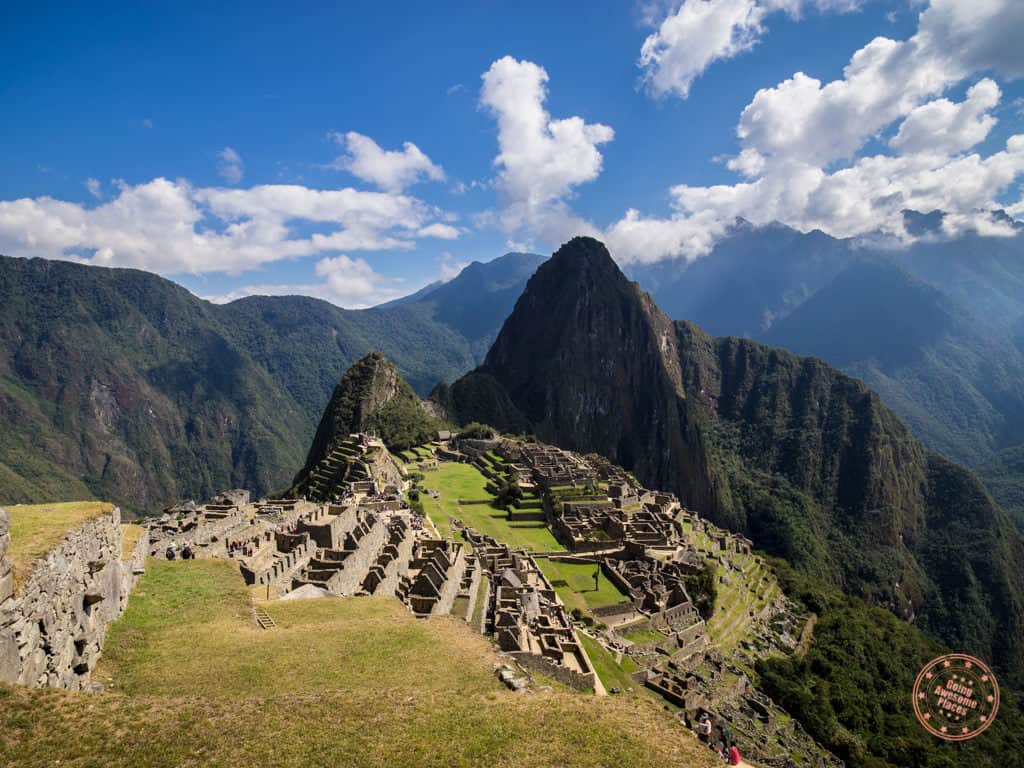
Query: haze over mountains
[935, 328]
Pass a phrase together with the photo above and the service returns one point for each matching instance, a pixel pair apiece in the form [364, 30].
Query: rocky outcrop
[52, 630]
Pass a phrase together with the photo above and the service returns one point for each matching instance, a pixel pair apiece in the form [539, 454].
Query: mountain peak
[585, 253]
[371, 396]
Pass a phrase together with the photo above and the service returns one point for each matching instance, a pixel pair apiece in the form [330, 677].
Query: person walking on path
[734, 755]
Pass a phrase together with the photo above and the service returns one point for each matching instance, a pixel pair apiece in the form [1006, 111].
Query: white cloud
[885, 80]
[800, 140]
[230, 165]
[1017, 209]
[696, 33]
[942, 126]
[864, 198]
[347, 282]
[391, 170]
[440, 231]
[95, 188]
[171, 228]
[541, 160]
[147, 123]
[353, 283]
[450, 266]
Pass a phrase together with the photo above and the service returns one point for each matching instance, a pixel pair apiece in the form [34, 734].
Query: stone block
[10, 659]
[6, 585]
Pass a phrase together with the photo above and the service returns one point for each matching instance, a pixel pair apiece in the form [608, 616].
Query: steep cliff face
[801, 457]
[585, 359]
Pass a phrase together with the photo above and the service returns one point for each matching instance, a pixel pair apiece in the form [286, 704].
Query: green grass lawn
[38, 528]
[644, 636]
[342, 682]
[611, 674]
[574, 583]
[480, 605]
[455, 481]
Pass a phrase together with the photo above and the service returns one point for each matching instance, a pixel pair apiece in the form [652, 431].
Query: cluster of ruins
[645, 543]
[352, 532]
[525, 616]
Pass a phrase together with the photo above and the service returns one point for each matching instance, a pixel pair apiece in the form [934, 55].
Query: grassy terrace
[353, 682]
[644, 636]
[464, 483]
[185, 621]
[38, 528]
[574, 583]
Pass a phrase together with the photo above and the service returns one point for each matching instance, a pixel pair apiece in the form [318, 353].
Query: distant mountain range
[119, 384]
[935, 329]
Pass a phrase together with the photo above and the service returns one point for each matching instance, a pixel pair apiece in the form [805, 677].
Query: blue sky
[248, 111]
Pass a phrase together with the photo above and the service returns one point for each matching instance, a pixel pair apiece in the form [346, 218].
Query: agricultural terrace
[750, 591]
[574, 583]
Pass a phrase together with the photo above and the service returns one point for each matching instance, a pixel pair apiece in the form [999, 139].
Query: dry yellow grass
[130, 535]
[38, 528]
[341, 682]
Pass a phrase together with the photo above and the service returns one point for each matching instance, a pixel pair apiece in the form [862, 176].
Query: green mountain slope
[124, 386]
[806, 460]
[959, 388]
[1004, 477]
[929, 327]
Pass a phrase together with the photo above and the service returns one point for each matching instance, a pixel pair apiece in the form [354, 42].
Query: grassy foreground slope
[353, 682]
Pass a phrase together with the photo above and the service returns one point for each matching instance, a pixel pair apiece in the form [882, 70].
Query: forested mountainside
[1004, 477]
[122, 385]
[805, 459]
[929, 327]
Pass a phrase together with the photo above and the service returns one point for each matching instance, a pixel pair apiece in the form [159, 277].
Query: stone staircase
[263, 619]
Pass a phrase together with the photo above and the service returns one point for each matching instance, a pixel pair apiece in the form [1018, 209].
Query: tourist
[734, 755]
[704, 728]
[170, 552]
[186, 552]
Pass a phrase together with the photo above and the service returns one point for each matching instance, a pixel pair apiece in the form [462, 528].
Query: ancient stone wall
[52, 630]
[452, 582]
[545, 666]
[382, 469]
[6, 577]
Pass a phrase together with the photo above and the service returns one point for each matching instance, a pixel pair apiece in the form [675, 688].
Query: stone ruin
[366, 542]
[525, 616]
[52, 629]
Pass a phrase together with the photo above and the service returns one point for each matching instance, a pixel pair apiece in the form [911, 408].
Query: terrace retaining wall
[52, 630]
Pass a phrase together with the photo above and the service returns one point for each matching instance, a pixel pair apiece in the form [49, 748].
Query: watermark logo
[956, 697]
